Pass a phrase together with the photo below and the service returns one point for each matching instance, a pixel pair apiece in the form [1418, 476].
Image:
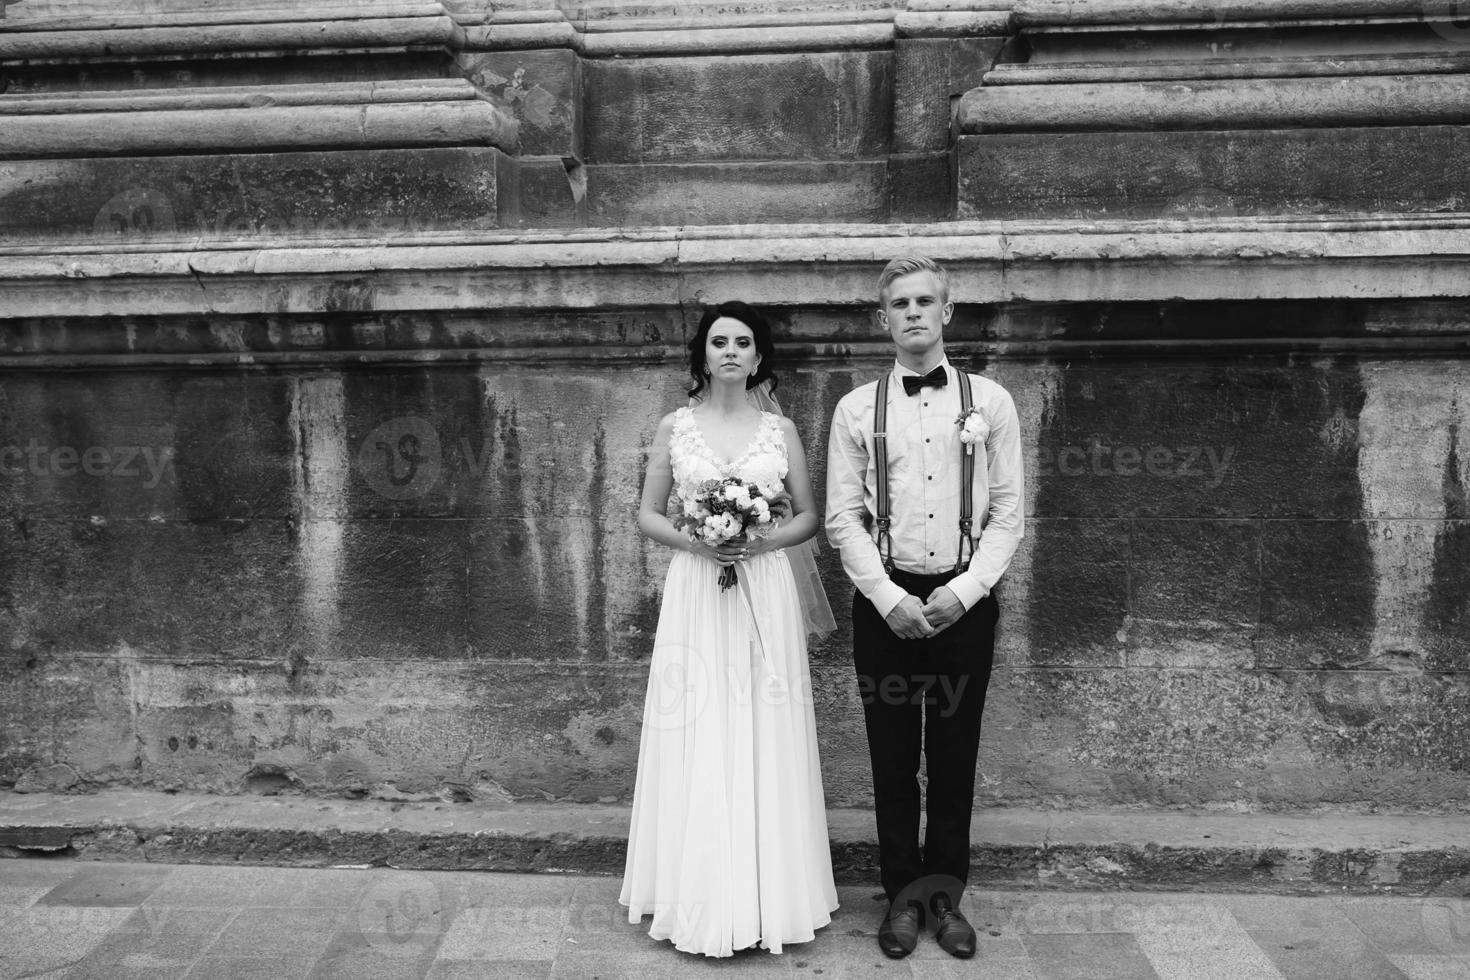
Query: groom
[926, 510]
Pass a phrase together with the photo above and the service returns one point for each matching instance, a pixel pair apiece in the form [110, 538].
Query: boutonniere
[972, 429]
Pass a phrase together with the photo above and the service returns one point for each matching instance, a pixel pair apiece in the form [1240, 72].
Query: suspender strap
[967, 484]
[966, 549]
[880, 461]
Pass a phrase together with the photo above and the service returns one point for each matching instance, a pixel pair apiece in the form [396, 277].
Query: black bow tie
[936, 378]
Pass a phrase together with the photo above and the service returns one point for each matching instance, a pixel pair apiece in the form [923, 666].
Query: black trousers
[924, 696]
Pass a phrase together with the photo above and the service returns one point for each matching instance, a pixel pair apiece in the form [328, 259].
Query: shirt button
[931, 517]
[931, 554]
[926, 440]
[931, 477]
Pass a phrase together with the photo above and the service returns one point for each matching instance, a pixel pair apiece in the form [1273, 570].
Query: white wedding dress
[728, 844]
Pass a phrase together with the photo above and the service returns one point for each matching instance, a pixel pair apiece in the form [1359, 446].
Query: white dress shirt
[924, 483]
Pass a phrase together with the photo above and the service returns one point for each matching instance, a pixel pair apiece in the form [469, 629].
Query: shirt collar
[899, 371]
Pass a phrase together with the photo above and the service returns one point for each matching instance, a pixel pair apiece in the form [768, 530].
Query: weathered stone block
[563, 589]
[788, 106]
[1317, 594]
[1078, 592]
[122, 446]
[920, 187]
[928, 75]
[1168, 737]
[541, 90]
[1200, 439]
[1195, 593]
[361, 193]
[132, 75]
[736, 193]
[216, 591]
[494, 441]
[542, 192]
[1387, 169]
[388, 589]
[1447, 612]
[55, 778]
[66, 711]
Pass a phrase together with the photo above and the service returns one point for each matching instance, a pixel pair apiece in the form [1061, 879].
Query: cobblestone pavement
[101, 921]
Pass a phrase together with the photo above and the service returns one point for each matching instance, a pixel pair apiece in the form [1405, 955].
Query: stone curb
[1013, 847]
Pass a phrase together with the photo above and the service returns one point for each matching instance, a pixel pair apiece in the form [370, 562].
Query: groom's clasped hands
[915, 619]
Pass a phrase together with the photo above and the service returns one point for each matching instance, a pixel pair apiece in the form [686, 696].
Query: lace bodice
[763, 462]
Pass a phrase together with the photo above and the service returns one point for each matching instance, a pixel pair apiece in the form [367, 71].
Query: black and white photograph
[822, 489]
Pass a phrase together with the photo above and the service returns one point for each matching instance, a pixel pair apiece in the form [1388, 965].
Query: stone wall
[320, 443]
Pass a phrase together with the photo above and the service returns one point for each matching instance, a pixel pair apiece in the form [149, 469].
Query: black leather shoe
[952, 930]
[899, 933]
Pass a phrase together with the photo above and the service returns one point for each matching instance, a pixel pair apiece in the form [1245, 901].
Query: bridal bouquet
[729, 510]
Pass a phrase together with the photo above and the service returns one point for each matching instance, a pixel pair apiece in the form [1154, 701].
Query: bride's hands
[724, 556]
[756, 546]
[729, 554]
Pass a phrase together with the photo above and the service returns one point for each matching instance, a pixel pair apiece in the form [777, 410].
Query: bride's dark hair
[764, 346]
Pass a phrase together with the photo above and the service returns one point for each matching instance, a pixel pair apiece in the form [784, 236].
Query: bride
[728, 843]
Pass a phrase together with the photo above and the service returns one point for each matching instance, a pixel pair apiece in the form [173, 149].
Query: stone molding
[817, 265]
[599, 31]
[1240, 103]
[242, 97]
[366, 34]
[293, 122]
[1047, 13]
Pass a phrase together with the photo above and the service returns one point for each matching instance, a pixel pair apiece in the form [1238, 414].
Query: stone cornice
[218, 38]
[1048, 13]
[336, 116]
[1246, 103]
[597, 30]
[785, 266]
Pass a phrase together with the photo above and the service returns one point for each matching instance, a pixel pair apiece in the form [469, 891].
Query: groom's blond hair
[906, 265]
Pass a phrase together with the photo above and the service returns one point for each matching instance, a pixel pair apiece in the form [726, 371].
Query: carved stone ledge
[737, 40]
[811, 265]
[219, 14]
[1431, 63]
[1041, 13]
[241, 97]
[270, 127]
[367, 34]
[1212, 105]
